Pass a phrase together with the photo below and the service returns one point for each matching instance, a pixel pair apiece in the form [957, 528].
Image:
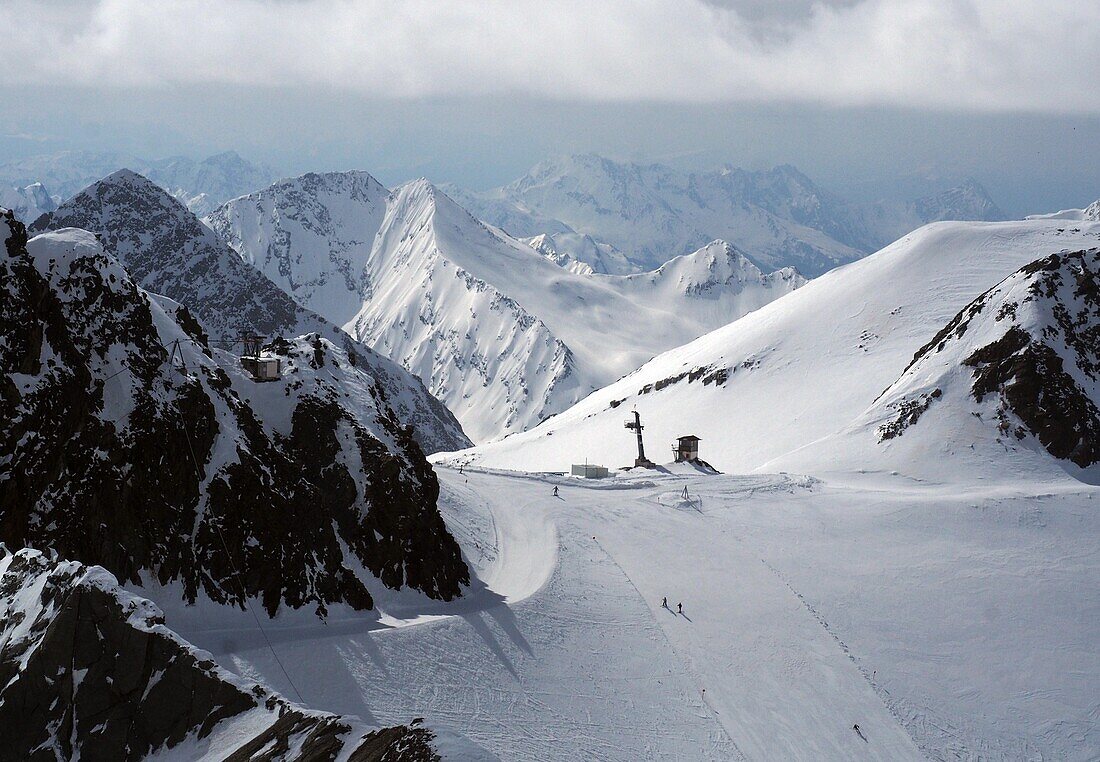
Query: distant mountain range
[501, 331]
[201, 185]
[615, 217]
[27, 203]
[651, 212]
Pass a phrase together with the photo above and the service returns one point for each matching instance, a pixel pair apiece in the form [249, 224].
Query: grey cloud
[961, 54]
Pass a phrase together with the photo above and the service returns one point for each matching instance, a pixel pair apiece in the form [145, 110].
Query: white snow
[799, 369]
[503, 335]
[28, 202]
[946, 621]
[1091, 213]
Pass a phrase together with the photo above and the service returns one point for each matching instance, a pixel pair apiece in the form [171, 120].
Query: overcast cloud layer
[957, 54]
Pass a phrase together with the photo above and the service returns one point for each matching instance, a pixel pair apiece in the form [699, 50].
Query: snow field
[948, 622]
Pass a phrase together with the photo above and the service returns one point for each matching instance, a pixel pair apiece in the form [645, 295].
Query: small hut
[260, 366]
[686, 448]
[589, 471]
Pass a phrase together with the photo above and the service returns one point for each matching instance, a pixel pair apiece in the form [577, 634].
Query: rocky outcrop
[89, 671]
[169, 251]
[1030, 347]
[130, 441]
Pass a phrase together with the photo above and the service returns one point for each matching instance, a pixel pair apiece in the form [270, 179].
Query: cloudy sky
[871, 96]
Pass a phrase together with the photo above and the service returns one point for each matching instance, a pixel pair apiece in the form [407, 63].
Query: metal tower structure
[636, 426]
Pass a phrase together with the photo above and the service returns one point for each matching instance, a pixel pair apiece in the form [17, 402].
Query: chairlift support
[636, 426]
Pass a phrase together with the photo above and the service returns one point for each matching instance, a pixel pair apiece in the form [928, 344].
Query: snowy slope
[170, 252]
[1011, 379]
[29, 202]
[131, 442]
[945, 621]
[652, 212]
[801, 368]
[90, 671]
[502, 334]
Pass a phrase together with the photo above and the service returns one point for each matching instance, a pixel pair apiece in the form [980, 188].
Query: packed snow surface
[945, 620]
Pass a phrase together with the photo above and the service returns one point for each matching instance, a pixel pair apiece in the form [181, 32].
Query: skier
[664, 603]
[555, 490]
[859, 732]
[680, 608]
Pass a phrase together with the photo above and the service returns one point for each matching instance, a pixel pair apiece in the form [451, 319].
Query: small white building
[589, 471]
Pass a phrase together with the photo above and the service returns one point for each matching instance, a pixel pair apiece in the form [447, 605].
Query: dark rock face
[176, 466]
[1035, 386]
[91, 672]
[1044, 369]
[908, 412]
[168, 251]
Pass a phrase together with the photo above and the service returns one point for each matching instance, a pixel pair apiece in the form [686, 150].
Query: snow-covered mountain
[206, 184]
[28, 203]
[501, 333]
[169, 251]
[806, 366]
[90, 671]
[201, 185]
[582, 254]
[132, 442]
[1014, 374]
[652, 212]
[883, 222]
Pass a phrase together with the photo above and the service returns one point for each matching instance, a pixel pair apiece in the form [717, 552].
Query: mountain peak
[129, 177]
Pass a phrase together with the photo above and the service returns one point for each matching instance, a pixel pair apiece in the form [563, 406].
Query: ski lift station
[686, 448]
[260, 367]
[589, 471]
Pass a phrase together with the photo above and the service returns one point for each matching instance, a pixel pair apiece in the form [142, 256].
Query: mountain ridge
[170, 252]
[651, 212]
[133, 443]
[849, 334]
[501, 333]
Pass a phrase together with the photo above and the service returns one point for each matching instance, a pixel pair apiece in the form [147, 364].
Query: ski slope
[947, 622]
[798, 369]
